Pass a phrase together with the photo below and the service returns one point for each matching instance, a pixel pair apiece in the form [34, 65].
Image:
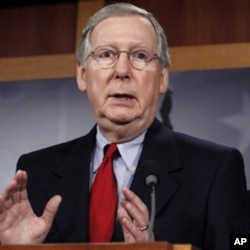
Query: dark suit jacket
[201, 195]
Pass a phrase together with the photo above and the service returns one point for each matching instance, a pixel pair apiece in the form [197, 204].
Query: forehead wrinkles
[125, 29]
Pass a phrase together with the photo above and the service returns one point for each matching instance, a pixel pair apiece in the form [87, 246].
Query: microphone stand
[152, 214]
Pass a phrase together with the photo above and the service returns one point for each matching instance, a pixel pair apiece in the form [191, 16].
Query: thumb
[51, 209]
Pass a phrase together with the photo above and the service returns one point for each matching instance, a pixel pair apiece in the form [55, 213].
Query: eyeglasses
[107, 56]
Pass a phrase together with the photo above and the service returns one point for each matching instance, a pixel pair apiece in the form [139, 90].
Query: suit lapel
[71, 181]
[160, 147]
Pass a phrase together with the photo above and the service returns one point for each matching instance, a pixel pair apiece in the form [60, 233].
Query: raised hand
[134, 217]
[18, 223]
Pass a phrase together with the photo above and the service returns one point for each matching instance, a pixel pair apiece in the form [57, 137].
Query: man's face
[123, 98]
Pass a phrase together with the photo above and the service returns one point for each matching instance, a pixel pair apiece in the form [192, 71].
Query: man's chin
[116, 119]
[121, 121]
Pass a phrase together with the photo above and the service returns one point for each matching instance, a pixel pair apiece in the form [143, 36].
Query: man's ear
[80, 77]
[164, 80]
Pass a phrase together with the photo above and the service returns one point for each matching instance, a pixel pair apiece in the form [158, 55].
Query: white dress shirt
[124, 165]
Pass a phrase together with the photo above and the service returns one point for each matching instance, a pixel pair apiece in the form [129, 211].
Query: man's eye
[141, 55]
[106, 54]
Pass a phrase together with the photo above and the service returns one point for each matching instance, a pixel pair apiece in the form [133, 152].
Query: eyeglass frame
[117, 55]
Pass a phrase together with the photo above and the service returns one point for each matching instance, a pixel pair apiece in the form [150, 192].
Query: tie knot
[111, 150]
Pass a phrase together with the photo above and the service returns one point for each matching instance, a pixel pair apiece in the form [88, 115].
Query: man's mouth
[123, 96]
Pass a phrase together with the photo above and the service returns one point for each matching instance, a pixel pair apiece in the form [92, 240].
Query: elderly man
[72, 197]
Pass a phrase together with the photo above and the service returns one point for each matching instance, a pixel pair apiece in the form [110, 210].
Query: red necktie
[103, 200]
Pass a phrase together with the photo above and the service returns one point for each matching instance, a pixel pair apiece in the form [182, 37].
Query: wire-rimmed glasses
[107, 56]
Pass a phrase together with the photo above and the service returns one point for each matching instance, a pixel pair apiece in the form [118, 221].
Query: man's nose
[123, 63]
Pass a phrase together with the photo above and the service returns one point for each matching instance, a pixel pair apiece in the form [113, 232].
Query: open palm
[18, 223]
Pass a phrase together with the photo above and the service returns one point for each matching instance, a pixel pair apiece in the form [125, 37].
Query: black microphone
[151, 178]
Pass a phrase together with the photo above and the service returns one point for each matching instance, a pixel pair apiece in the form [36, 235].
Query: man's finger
[51, 209]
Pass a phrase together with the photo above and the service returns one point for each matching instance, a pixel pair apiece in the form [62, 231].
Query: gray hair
[122, 9]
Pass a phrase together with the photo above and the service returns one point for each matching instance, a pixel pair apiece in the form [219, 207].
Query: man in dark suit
[201, 195]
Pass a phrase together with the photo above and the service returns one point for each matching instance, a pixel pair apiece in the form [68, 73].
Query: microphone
[151, 180]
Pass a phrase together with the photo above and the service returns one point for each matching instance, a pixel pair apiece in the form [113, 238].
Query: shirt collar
[130, 151]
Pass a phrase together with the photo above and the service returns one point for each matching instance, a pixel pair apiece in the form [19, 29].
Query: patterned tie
[103, 200]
